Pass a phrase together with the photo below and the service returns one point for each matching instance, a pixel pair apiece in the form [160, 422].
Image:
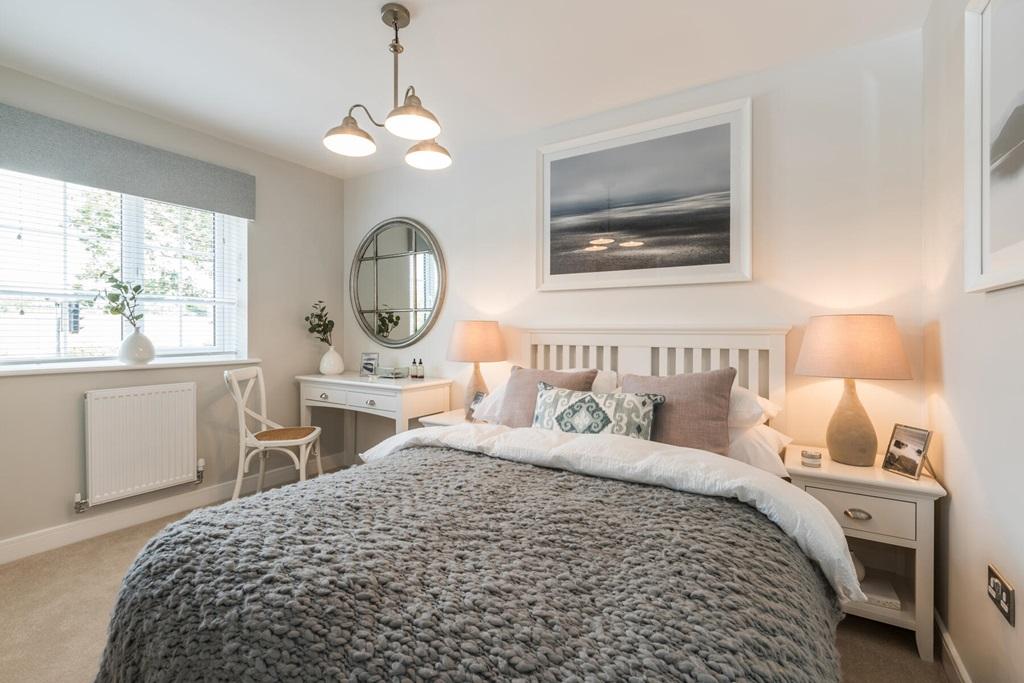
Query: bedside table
[452, 417]
[889, 521]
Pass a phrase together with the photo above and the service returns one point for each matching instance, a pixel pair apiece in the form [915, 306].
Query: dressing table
[400, 400]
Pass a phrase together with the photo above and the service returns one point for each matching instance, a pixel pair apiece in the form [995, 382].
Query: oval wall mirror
[397, 282]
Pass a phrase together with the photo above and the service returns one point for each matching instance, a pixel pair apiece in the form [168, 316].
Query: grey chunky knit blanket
[444, 565]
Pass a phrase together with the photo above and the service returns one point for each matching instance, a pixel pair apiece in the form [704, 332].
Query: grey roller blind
[41, 146]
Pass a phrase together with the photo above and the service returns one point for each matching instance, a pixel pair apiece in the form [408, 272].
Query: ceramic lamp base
[851, 437]
[474, 386]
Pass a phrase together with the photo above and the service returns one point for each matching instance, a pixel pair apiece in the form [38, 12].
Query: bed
[484, 552]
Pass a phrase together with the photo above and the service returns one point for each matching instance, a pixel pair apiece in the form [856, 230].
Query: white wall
[974, 386]
[836, 212]
[295, 257]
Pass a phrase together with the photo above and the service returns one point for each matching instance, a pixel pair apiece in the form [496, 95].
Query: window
[57, 238]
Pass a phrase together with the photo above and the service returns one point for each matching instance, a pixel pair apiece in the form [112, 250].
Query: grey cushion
[521, 391]
[695, 413]
[587, 412]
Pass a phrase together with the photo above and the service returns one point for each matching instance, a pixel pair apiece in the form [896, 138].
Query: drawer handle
[323, 395]
[858, 514]
[371, 403]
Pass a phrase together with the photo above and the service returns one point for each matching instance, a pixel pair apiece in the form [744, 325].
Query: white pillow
[747, 409]
[759, 446]
[489, 407]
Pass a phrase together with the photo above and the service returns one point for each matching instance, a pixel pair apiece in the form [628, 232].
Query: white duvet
[800, 516]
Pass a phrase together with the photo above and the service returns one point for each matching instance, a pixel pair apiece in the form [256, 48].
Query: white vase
[331, 363]
[136, 349]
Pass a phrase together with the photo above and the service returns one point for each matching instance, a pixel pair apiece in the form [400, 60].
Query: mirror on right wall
[397, 282]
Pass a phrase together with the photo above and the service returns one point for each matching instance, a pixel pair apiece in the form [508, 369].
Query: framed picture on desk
[368, 362]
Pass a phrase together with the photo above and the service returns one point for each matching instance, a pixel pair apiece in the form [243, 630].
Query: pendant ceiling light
[410, 120]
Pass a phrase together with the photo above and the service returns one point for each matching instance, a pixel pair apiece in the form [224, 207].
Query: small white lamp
[476, 341]
[852, 347]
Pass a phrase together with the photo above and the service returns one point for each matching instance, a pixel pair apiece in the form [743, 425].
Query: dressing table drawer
[324, 394]
[362, 400]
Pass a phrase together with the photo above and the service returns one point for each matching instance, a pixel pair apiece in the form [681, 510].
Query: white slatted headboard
[759, 355]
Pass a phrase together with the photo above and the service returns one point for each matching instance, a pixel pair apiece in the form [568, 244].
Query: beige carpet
[54, 609]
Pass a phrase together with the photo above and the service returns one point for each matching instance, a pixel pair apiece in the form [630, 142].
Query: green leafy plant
[320, 325]
[121, 298]
[387, 321]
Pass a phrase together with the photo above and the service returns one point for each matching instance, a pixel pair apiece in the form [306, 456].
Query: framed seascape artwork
[994, 145]
[665, 202]
[907, 450]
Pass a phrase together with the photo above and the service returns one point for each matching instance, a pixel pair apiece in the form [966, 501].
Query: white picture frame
[986, 268]
[737, 114]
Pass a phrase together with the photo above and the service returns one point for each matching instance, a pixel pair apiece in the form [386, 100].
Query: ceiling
[273, 75]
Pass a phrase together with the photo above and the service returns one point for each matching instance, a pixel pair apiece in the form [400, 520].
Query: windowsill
[161, 363]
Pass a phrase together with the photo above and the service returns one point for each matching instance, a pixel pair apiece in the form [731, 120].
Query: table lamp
[476, 341]
[852, 347]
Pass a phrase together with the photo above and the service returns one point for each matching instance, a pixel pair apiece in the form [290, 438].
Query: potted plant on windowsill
[322, 327]
[121, 298]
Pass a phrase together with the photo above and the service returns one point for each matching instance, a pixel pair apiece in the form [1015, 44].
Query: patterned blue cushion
[585, 412]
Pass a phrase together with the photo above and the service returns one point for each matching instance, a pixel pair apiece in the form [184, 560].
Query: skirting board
[951, 662]
[96, 523]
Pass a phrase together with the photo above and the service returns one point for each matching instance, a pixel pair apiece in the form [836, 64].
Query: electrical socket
[1001, 593]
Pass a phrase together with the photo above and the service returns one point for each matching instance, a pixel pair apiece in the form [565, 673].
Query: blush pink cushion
[695, 413]
[521, 392]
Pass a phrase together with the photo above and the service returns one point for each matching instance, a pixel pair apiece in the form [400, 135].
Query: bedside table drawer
[875, 515]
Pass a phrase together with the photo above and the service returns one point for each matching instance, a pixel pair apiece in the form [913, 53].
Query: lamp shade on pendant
[428, 156]
[476, 341]
[349, 139]
[852, 347]
[412, 121]
[855, 346]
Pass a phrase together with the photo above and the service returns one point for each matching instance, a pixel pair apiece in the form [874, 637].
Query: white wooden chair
[270, 435]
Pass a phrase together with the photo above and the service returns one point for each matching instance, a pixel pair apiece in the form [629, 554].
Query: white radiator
[138, 439]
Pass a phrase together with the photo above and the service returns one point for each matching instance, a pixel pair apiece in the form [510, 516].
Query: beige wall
[295, 257]
[974, 385]
[836, 224]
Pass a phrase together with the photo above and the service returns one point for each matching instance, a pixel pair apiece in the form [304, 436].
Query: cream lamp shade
[476, 341]
[852, 347]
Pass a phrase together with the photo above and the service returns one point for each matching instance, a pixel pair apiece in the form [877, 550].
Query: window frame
[132, 247]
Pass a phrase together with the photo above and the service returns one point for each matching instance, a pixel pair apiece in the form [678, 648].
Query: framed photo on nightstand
[907, 450]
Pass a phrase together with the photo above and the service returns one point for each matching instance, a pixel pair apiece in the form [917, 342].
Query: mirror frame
[353, 280]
